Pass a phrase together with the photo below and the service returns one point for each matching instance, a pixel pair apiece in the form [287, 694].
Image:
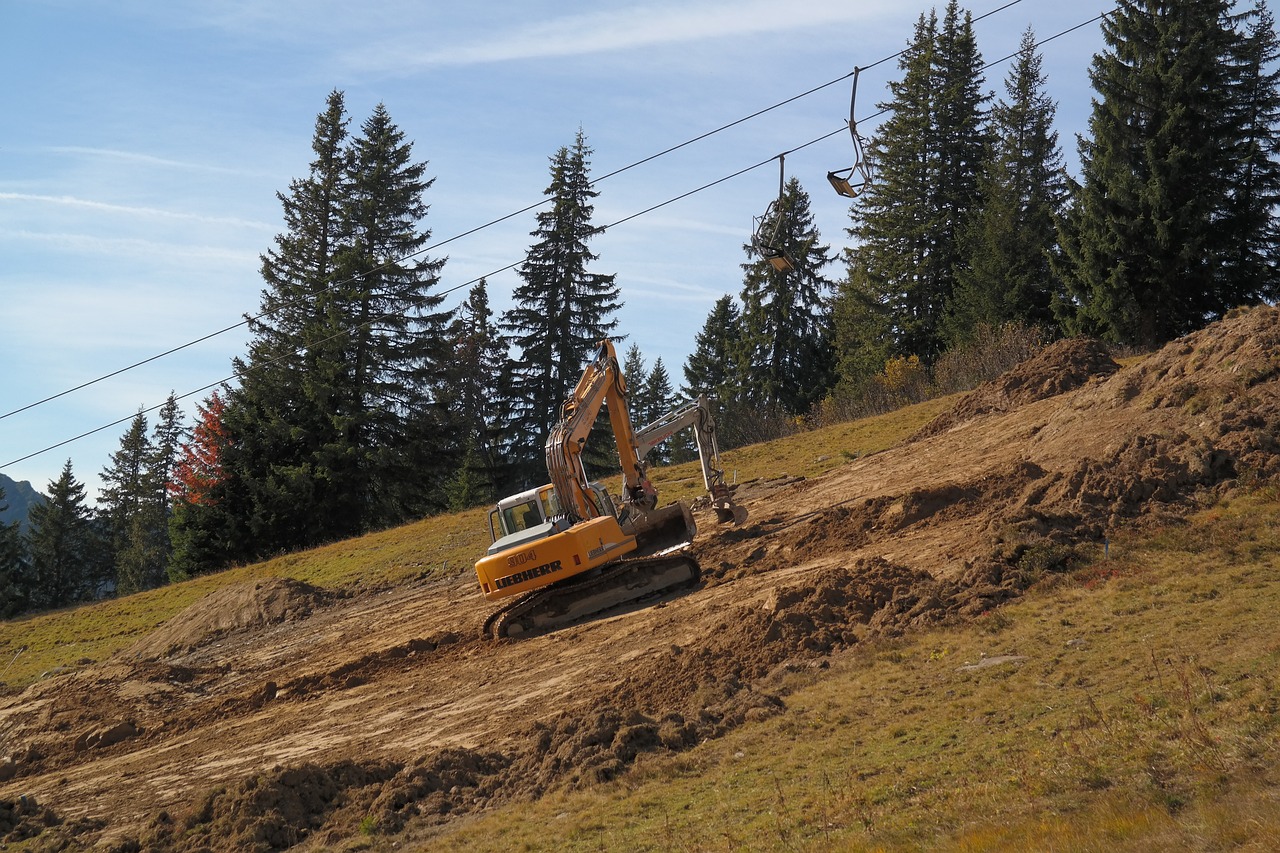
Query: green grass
[1145, 716]
[49, 642]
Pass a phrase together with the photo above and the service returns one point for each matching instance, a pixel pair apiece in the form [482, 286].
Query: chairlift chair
[770, 249]
[852, 181]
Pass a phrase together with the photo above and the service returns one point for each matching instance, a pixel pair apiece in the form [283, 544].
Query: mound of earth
[1060, 367]
[386, 713]
[232, 609]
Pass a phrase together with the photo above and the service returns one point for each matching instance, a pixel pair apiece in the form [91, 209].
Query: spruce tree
[908, 223]
[15, 578]
[1144, 242]
[635, 372]
[783, 353]
[711, 370]
[65, 551]
[337, 426]
[657, 397]
[1006, 276]
[205, 528]
[126, 505]
[399, 345]
[1251, 264]
[473, 394]
[289, 439]
[561, 310]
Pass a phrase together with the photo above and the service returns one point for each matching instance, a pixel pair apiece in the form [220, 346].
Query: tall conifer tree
[784, 352]
[473, 395]
[1251, 268]
[561, 311]
[711, 369]
[1006, 274]
[908, 222]
[15, 580]
[1144, 241]
[65, 550]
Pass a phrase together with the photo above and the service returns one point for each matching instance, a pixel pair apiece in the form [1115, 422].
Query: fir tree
[657, 398]
[908, 222]
[783, 352]
[474, 395]
[561, 311]
[337, 426]
[635, 372]
[65, 551]
[126, 506]
[15, 579]
[1008, 244]
[1144, 242]
[711, 370]
[1251, 264]
[290, 443]
[404, 440]
[205, 529]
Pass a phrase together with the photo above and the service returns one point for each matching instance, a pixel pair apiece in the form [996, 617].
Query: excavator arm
[602, 384]
[697, 415]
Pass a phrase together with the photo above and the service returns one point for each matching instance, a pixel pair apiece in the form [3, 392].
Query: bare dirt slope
[273, 715]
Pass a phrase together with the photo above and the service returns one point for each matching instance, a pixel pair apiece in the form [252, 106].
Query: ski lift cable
[511, 266]
[467, 233]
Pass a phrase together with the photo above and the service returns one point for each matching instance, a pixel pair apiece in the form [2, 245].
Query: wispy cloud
[105, 207]
[151, 160]
[622, 29]
[131, 246]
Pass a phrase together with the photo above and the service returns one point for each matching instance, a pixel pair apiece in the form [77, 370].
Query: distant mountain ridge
[18, 499]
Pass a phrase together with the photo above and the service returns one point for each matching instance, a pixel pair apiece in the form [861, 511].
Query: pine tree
[1006, 276]
[561, 311]
[711, 370]
[474, 394]
[1144, 243]
[205, 531]
[338, 426]
[65, 551]
[399, 347]
[657, 397]
[127, 496]
[1251, 265]
[289, 439]
[783, 353]
[15, 578]
[635, 373]
[908, 222]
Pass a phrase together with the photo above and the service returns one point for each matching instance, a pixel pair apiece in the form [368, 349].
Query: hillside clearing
[379, 714]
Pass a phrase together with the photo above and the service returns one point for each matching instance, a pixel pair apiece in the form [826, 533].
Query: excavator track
[615, 585]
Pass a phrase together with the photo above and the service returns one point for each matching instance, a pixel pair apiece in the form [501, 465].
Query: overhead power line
[457, 287]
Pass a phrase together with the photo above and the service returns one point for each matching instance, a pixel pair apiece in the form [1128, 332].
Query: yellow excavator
[567, 549]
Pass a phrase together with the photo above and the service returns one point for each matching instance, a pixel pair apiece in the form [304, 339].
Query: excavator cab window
[550, 505]
[521, 517]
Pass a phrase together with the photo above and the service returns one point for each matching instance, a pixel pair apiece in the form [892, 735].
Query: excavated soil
[272, 715]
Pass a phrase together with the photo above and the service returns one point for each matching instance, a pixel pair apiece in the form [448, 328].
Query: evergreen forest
[367, 398]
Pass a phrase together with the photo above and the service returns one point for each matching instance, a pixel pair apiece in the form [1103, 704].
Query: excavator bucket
[728, 512]
[660, 530]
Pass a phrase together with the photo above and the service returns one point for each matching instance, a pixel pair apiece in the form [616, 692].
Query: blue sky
[143, 143]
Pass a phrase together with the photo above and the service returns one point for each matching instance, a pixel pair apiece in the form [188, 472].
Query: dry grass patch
[1132, 705]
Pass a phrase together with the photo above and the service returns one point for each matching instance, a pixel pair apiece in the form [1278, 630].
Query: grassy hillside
[434, 547]
[1131, 705]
